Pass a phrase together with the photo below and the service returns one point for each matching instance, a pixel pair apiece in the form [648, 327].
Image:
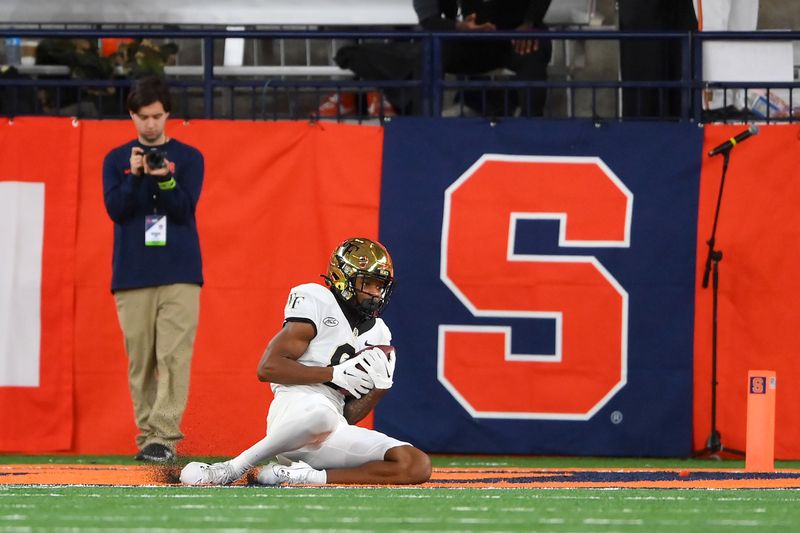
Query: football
[387, 350]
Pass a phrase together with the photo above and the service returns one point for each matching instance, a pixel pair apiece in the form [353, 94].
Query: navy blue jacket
[129, 198]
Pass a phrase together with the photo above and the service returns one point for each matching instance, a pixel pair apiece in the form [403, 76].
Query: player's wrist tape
[167, 185]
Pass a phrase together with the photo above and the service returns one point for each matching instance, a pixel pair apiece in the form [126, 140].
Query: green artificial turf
[336, 509]
[393, 509]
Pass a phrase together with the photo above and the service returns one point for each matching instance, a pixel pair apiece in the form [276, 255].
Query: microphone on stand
[733, 141]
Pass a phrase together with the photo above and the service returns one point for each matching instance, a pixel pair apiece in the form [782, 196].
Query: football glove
[378, 367]
[351, 378]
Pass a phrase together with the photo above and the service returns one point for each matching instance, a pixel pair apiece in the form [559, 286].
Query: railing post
[697, 78]
[208, 77]
[436, 76]
[686, 77]
[426, 88]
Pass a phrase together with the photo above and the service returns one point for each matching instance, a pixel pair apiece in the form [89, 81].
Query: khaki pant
[159, 325]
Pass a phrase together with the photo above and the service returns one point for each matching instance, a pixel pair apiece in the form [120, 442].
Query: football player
[328, 367]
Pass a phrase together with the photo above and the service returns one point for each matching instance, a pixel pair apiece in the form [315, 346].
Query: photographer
[151, 186]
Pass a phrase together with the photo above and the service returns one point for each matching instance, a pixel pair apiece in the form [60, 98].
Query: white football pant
[303, 425]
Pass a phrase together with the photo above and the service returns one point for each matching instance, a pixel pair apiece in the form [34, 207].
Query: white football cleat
[298, 473]
[204, 474]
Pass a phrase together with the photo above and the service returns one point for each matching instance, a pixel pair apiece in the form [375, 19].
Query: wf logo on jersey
[294, 300]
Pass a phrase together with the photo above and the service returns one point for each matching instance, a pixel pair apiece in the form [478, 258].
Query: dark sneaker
[155, 452]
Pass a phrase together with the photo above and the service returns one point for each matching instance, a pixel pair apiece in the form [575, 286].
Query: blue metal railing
[201, 96]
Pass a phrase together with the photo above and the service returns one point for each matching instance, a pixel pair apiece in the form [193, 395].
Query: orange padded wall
[759, 295]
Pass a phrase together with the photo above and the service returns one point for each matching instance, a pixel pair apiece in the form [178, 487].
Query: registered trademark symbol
[616, 417]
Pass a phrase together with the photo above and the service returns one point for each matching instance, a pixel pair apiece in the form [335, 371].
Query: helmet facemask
[356, 262]
[371, 304]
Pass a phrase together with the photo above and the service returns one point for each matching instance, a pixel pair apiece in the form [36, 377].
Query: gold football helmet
[357, 259]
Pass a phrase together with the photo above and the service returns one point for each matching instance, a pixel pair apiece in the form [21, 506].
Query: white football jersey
[335, 341]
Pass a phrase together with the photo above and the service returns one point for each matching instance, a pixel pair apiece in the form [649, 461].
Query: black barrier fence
[367, 75]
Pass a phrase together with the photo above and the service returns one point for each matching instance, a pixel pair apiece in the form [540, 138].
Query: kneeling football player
[328, 367]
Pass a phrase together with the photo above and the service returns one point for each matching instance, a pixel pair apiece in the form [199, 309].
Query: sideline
[456, 478]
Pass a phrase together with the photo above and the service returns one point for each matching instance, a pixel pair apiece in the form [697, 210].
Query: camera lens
[155, 158]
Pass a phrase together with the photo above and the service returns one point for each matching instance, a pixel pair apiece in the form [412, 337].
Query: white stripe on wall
[21, 238]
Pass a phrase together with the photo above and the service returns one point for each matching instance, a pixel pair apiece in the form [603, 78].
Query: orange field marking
[506, 478]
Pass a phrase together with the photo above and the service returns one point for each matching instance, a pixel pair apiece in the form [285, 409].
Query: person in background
[151, 186]
[725, 15]
[654, 60]
[527, 58]
[402, 60]
[85, 62]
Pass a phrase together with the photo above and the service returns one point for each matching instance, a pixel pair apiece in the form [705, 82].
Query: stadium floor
[443, 477]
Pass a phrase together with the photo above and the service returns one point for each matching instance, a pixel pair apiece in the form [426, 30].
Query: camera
[155, 158]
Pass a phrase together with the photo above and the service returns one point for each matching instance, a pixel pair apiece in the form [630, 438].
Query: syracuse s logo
[587, 305]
